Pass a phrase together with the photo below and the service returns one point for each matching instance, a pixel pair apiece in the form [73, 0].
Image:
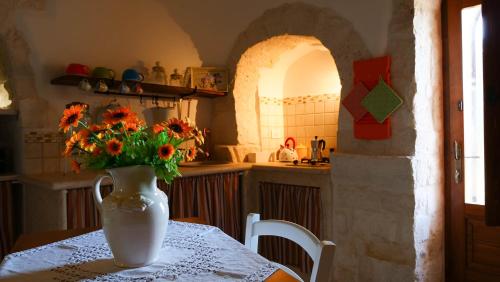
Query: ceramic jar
[134, 216]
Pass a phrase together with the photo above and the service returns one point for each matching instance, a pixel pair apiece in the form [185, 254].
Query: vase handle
[97, 189]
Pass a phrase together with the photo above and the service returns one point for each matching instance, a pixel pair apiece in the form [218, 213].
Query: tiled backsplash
[300, 117]
[42, 152]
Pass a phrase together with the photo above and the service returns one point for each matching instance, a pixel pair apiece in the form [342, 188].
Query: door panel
[472, 247]
[483, 246]
[454, 190]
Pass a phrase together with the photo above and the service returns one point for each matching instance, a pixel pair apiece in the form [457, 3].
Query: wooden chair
[321, 252]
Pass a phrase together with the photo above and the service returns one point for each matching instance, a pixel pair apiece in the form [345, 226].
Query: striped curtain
[6, 218]
[214, 198]
[81, 211]
[298, 204]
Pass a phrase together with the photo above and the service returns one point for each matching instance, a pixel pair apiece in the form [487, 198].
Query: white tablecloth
[190, 252]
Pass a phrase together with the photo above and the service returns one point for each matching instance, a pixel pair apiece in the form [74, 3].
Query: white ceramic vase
[134, 216]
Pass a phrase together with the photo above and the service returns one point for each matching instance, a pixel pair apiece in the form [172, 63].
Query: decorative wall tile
[32, 150]
[299, 120]
[319, 107]
[330, 131]
[330, 118]
[42, 137]
[319, 130]
[51, 164]
[42, 151]
[319, 119]
[32, 166]
[329, 106]
[309, 119]
[301, 132]
[299, 109]
[301, 117]
[309, 131]
[309, 108]
[51, 150]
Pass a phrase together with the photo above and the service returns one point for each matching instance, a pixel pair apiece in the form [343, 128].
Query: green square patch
[382, 101]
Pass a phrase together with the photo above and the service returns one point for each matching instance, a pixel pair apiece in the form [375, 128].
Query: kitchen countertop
[60, 181]
[290, 167]
[70, 180]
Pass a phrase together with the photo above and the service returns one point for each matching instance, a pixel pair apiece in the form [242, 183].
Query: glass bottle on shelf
[158, 74]
[175, 78]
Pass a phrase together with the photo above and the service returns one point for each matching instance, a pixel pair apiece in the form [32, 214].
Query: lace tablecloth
[190, 252]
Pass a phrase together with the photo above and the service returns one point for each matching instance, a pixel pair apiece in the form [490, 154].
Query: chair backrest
[321, 252]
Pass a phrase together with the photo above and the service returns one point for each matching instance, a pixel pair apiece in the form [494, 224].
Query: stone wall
[387, 215]
[428, 162]
[373, 218]
[388, 195]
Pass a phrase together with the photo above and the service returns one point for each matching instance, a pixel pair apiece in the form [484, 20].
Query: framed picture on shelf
[208, 78]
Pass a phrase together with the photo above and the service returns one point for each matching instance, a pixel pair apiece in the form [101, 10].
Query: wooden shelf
[156, 91]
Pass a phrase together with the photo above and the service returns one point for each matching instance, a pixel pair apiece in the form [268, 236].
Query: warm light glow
[472, 61]
[4, 97]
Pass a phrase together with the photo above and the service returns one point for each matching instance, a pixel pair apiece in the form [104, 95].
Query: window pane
[472, 64]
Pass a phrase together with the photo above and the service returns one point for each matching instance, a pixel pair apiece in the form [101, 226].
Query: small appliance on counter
[317, 147]
[287, 153]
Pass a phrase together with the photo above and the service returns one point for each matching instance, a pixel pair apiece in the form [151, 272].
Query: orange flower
[179, 128]
[166, 151]
[157, 128]
[131, 126]
[123, 114]
[94, 128]
[85, 141]
[75, 166]
[71, 117]
[71, 144]
[191, 153]
[114, 147]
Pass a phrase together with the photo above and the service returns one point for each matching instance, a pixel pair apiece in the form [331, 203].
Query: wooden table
[28, 241]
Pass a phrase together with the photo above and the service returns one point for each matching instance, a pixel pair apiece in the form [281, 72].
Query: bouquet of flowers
[122, 139]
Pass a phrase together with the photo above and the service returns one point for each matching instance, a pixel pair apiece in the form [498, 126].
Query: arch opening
[298, 91]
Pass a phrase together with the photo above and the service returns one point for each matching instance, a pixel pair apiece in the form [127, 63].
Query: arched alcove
[298, 94]
[236, 121]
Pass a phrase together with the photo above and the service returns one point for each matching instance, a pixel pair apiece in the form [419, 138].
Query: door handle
[457, 153]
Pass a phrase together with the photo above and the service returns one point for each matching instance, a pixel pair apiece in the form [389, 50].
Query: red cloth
[369, 72]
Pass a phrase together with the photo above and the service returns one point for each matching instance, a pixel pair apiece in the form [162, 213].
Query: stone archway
[238, 132]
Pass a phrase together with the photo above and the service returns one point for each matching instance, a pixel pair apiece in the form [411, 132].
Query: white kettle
[287, 153]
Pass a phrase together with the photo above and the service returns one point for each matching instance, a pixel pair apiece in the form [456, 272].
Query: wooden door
[472, 247]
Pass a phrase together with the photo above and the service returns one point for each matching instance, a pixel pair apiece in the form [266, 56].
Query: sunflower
[179, 128]
[71, 144]
[191, 153]
[131, 126]
[116, 116]
[166, 151]
[75, 166]
[114, 147]
[97, 130]
[94, 128]
[158, 128]
[71, 117]
[86, 141]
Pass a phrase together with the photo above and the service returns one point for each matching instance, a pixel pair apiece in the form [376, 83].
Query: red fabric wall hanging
[369, 73]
